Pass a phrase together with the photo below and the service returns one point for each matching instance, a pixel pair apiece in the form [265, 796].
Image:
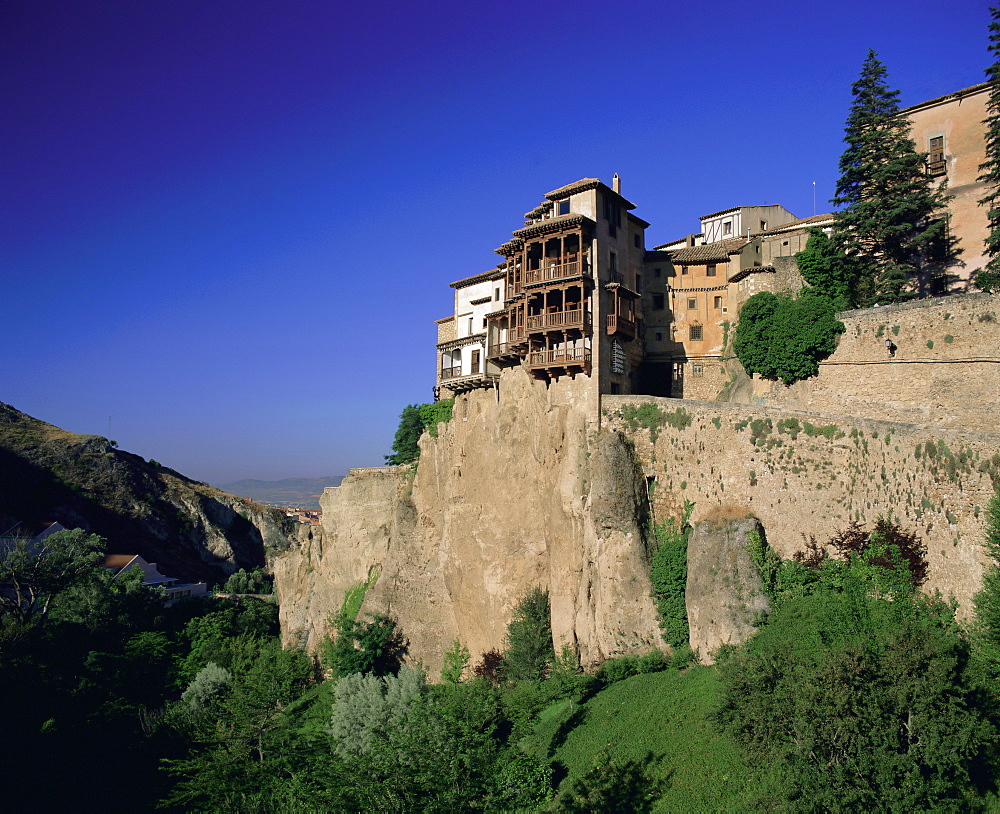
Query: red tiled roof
[717, 252]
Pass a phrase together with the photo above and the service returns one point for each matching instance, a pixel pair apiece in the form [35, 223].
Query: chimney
[616, 184]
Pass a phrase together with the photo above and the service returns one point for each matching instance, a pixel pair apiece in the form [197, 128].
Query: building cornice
[492, 274]
[461, 342]
[982, 87]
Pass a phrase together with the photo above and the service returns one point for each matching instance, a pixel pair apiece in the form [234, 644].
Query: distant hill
[194, 531]
[304, 492]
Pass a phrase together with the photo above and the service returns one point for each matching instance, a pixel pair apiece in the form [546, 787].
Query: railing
[569, 317]
[616, 277]
[620, 324]
[499, 349]
[450, 372]
[554, 271]
[559, 356]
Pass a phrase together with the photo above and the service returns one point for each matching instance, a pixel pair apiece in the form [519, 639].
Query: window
[470, 326]
[475, 362]
[563, 207]
[638, 283]
[692, 303]
[697, 369]
[617, 357]
[695, 333]
[710, 270]
[717, 302]
[484, 323]
[935, 158]
[496, 294]
[727, 227]
[613, 215]
[684, 269]
[613, 262]
[659, 336]
[636, 241]
[656, 272]
[763, 225]
[657, 302]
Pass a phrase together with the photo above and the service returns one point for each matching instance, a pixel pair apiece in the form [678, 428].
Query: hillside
[293, 492]
[193, 530]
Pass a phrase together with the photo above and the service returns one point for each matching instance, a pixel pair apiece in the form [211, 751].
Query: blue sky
[229, 226]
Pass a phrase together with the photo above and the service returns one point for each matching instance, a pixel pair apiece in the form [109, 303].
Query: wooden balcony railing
[618, 323]
[567, 318]
[555, 271]
[499, 349]
[564, 356]
[450, 372]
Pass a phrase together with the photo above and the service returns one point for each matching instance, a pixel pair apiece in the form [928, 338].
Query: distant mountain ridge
[303, 492]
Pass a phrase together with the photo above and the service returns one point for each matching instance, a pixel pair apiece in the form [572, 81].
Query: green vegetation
[254, 581]
[529, 639]
[828, 270]
[784, 338]
[668, 574]
[988, 278]
[891, 224]
[413, 422]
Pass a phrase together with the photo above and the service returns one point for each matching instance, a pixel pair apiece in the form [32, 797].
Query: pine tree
[893, 221]
[988, 278]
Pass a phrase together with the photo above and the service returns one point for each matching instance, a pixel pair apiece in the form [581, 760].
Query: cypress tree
[988, 278]
[405, 445]
[893, 221]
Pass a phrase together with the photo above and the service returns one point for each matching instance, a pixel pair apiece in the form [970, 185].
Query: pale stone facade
[950, 130]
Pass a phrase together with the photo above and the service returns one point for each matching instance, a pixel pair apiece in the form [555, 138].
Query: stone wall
[806, 473]
[945, 370]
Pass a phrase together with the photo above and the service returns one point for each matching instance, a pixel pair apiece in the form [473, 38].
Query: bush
[529, 639]
[783, 338]
[668, 574]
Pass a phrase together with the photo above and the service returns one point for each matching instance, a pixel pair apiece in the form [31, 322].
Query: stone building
[950, 130]
[566, 302]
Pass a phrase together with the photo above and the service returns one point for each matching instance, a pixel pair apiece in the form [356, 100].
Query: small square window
[659, 336]
[692, 303]
[697, 370]
[710, 270]
[684, 269]
[727, 227]
[695, 333]
[563, 208]
[718, 302]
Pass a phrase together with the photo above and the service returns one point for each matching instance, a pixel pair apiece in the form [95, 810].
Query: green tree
[376, 647]
[405, 444]
[827, 269]
[36, 572]
[784, 338]
[893, 222]
[988, 278]
[456, 659]
[987, 600]
[529, 639]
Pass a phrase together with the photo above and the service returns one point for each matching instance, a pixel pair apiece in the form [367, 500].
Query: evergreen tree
[529, 639]
[405, 447]
[988, 278]
[893, 221]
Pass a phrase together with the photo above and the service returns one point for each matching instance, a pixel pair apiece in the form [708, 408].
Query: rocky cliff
[517, 491]
[192, 530]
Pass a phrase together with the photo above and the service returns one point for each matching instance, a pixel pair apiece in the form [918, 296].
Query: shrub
[668, 574]
[529, 639]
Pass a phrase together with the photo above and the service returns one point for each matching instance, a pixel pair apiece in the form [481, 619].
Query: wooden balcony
[555, 271]
[620, 325]
[450, 372]
[567, 318]
[562, 357]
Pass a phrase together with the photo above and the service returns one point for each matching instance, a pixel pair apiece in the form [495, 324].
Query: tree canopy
[988, 278]
[893, 223]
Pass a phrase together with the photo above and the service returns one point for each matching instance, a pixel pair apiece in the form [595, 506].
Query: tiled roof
[739, 275]
[722, 212]
[717, 252]
[958, 94]
[492, 274]
[582, 186]
[511, 246]
[800, 223]
[552, 225]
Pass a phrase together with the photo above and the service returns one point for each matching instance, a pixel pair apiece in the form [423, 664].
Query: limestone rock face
[724, 593]
[517, 491]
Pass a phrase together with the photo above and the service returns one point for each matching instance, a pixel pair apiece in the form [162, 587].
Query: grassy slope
[666, 715]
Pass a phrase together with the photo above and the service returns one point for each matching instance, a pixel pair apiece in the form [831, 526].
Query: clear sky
[229, 225]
